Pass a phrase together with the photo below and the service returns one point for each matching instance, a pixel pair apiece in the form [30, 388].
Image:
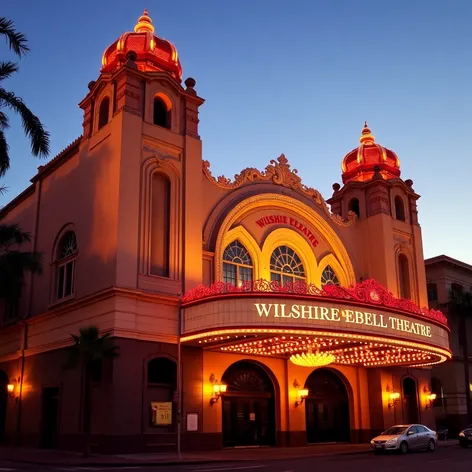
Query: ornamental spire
[366, 135]
[144, 24]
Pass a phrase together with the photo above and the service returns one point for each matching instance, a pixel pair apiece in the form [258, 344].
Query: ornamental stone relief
[278, 172]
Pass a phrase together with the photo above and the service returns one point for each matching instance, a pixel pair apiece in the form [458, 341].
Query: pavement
[447, 457]
[62, 460]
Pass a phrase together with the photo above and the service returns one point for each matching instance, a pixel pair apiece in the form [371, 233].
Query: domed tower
[387, 219]
[141, 124]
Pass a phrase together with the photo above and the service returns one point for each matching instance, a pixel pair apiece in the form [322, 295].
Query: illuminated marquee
[343, 316]
[288, 220]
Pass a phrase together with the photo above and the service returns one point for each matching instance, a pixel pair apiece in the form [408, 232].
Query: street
[451, 459]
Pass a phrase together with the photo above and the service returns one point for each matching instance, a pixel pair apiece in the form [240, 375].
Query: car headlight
[372, 442]
[462, 435]
[392, 441]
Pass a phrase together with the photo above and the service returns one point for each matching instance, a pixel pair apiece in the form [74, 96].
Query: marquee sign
[343, 317]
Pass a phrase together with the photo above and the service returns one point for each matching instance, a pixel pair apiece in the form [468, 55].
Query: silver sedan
[404, 438]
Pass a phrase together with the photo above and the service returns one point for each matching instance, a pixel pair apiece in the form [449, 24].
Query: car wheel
[404, 447]
[431, 445]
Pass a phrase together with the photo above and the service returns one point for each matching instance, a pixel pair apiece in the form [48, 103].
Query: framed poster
[161, 413]
[192, 421]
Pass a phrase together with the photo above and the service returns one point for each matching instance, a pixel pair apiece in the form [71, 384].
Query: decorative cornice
[368, 291]
[278, 172]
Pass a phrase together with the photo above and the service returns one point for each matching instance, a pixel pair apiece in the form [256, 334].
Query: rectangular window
[229, 273]
[245, 274]
[65, 279]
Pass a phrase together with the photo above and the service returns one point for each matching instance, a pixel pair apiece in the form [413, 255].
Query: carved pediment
[278, 172]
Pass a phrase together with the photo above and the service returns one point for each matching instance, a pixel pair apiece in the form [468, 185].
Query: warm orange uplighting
[218, 388]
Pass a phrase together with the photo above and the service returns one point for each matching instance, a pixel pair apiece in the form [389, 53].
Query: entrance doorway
[49, 418]
[327, 408]
[410, 401]
[3, 402]
[248, 406]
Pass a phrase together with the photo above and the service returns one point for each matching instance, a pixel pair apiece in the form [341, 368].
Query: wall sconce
[430, 397]
[302, 393]
[217, 390]
[12, 389]
[393, 397]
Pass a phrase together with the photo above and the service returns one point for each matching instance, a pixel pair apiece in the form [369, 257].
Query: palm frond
[17, 41]
[4, 121]
[4, 155]
[32, 126]
[7, 68]
[12, 234]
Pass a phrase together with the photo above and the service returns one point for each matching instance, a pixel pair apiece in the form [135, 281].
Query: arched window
[65, 260]
[399, 208]
[104, 112]
[161, 113]
[329, 277]
[404, 276]
[160, 225]
[162, 385]
[286, 266]
[237, 264]
[354, 206]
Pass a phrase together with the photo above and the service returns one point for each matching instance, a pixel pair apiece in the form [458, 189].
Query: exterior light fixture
[302, 393]
[310, 359]
[12, 390]
[217, 389]
[430, 397]
[393, 397]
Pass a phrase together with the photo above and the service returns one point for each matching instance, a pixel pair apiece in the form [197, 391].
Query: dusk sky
[295, 77]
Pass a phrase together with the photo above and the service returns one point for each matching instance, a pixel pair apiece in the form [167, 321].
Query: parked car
[465, 436]
[404, 438]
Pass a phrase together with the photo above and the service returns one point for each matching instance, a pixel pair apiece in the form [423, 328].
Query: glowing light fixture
[310, 359]
[218, 389]
[302, 393]
[430, 397]
[393, 397]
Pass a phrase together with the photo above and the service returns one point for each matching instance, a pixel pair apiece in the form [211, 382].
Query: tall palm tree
[14, 263]
[460, 305]
[89, 348]
[32, 126]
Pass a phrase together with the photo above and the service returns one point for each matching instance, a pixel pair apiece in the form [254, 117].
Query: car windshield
[395, 430]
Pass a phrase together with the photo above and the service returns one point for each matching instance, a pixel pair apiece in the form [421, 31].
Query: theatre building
[267, 315]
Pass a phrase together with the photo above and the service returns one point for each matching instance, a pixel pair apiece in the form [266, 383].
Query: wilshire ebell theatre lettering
[315, 312]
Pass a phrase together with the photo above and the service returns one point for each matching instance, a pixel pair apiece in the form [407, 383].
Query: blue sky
[296, 77]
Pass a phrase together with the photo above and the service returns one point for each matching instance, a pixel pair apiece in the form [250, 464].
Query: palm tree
[32, 126]
[460, 305]
[88, 351]
[14, 263]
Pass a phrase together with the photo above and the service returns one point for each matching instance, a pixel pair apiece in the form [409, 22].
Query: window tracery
[237, 264]
[286, 266]
[65, 272]
[329, 277]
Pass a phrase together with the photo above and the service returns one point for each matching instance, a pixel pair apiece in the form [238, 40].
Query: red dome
[153, 54]
[358, 165]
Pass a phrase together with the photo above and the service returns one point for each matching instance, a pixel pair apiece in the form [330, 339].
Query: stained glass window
[237, 264]
[286, 266]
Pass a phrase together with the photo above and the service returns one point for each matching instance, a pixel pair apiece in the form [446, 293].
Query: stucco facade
[142, 241]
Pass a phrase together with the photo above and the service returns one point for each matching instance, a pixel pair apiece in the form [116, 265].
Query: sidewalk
[63, 458]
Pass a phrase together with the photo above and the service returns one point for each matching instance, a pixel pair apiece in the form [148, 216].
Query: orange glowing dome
[151, 53]
[359, 164]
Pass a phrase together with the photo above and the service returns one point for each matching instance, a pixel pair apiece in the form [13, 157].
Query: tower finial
[144, 24]
[366, 135]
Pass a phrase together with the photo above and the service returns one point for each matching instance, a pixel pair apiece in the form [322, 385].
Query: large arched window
[399, 208]
[104, 112]
[160, 225]
[286, 266]
[65, 261]
[329, 277]
[404, 276]
[237, 264]
[161, 113]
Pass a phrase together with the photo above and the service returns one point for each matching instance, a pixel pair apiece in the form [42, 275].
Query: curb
[175, 462]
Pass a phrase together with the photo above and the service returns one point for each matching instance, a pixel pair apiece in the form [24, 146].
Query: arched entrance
[248, 406]
[3, 402]
[410, 401]
[326, 408]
